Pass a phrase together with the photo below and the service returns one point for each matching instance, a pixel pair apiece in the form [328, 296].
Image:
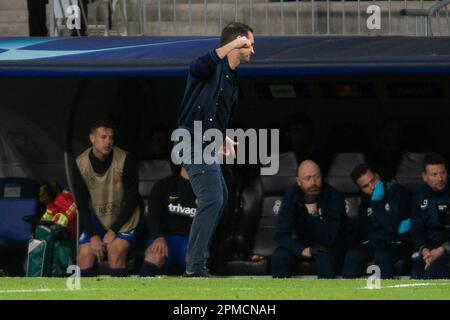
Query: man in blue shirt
[431, 221]
[210, 99]
[383, 219]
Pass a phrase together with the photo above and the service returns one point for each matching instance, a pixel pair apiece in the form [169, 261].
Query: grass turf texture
[252, 288]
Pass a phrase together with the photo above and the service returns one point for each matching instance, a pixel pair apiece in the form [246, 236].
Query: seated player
[382, 220]
[431, 221]
[172, 207]
[106, 189]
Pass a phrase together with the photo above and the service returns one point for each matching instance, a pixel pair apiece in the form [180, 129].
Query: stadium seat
[19, 198]
[19, 188]
[254, 236]
[409, 172]
[339, 177]
[339, 174]
[221, 248]
[150, 171]
[409, 175]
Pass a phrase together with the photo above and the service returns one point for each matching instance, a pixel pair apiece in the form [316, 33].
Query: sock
[148, 269]
[90, 272]
[119, 272]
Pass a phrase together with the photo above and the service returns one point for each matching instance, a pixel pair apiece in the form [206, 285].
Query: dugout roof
[170, 56]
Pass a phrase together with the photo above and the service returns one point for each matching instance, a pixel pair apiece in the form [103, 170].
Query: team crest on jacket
[320, 214]
[424, 204]
[276, 206]
[387, 207]
[369, 211]
[347, 206]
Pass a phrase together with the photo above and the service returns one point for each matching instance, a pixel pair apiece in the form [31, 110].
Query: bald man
[314, 212]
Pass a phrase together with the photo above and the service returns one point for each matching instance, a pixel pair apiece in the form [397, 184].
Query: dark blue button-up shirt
[210, 86]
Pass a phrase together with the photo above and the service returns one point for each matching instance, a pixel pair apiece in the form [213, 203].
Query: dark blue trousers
[283, 262]
[356, 260]
[211, 191]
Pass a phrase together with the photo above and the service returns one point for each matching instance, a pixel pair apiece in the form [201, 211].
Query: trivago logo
[182, 211]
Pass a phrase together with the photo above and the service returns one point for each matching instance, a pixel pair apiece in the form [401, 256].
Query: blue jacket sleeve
[203, 66]
[327, 230]
[285, 225]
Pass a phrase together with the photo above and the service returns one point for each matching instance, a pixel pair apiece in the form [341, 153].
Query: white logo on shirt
[347, 206]
[424, 204]
[183, 211]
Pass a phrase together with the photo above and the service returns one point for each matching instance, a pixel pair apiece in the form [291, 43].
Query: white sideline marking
[32, 290]
[417, 285]
[41, 290]
[407, 285]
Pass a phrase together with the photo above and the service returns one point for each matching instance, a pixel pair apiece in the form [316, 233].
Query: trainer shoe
[200, 274]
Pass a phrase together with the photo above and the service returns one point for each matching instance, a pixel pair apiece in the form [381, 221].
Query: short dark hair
[433, 158]
[106, 123]
[232, 31]
[359, 170]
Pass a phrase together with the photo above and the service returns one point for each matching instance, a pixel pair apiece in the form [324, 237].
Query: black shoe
[201, 274]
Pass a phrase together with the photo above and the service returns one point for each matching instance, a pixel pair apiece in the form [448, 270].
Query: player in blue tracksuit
[383, 220]
[431, 222]
[313, 212]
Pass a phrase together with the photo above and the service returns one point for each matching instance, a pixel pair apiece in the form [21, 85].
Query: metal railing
[110, 11]
[427, 15]
[295, 17]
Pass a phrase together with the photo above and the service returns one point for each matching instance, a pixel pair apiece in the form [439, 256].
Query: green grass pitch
[252, 288]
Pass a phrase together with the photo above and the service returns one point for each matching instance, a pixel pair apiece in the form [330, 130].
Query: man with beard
[210, 99]
[430, 221]
[383, 224]
[314, 212]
